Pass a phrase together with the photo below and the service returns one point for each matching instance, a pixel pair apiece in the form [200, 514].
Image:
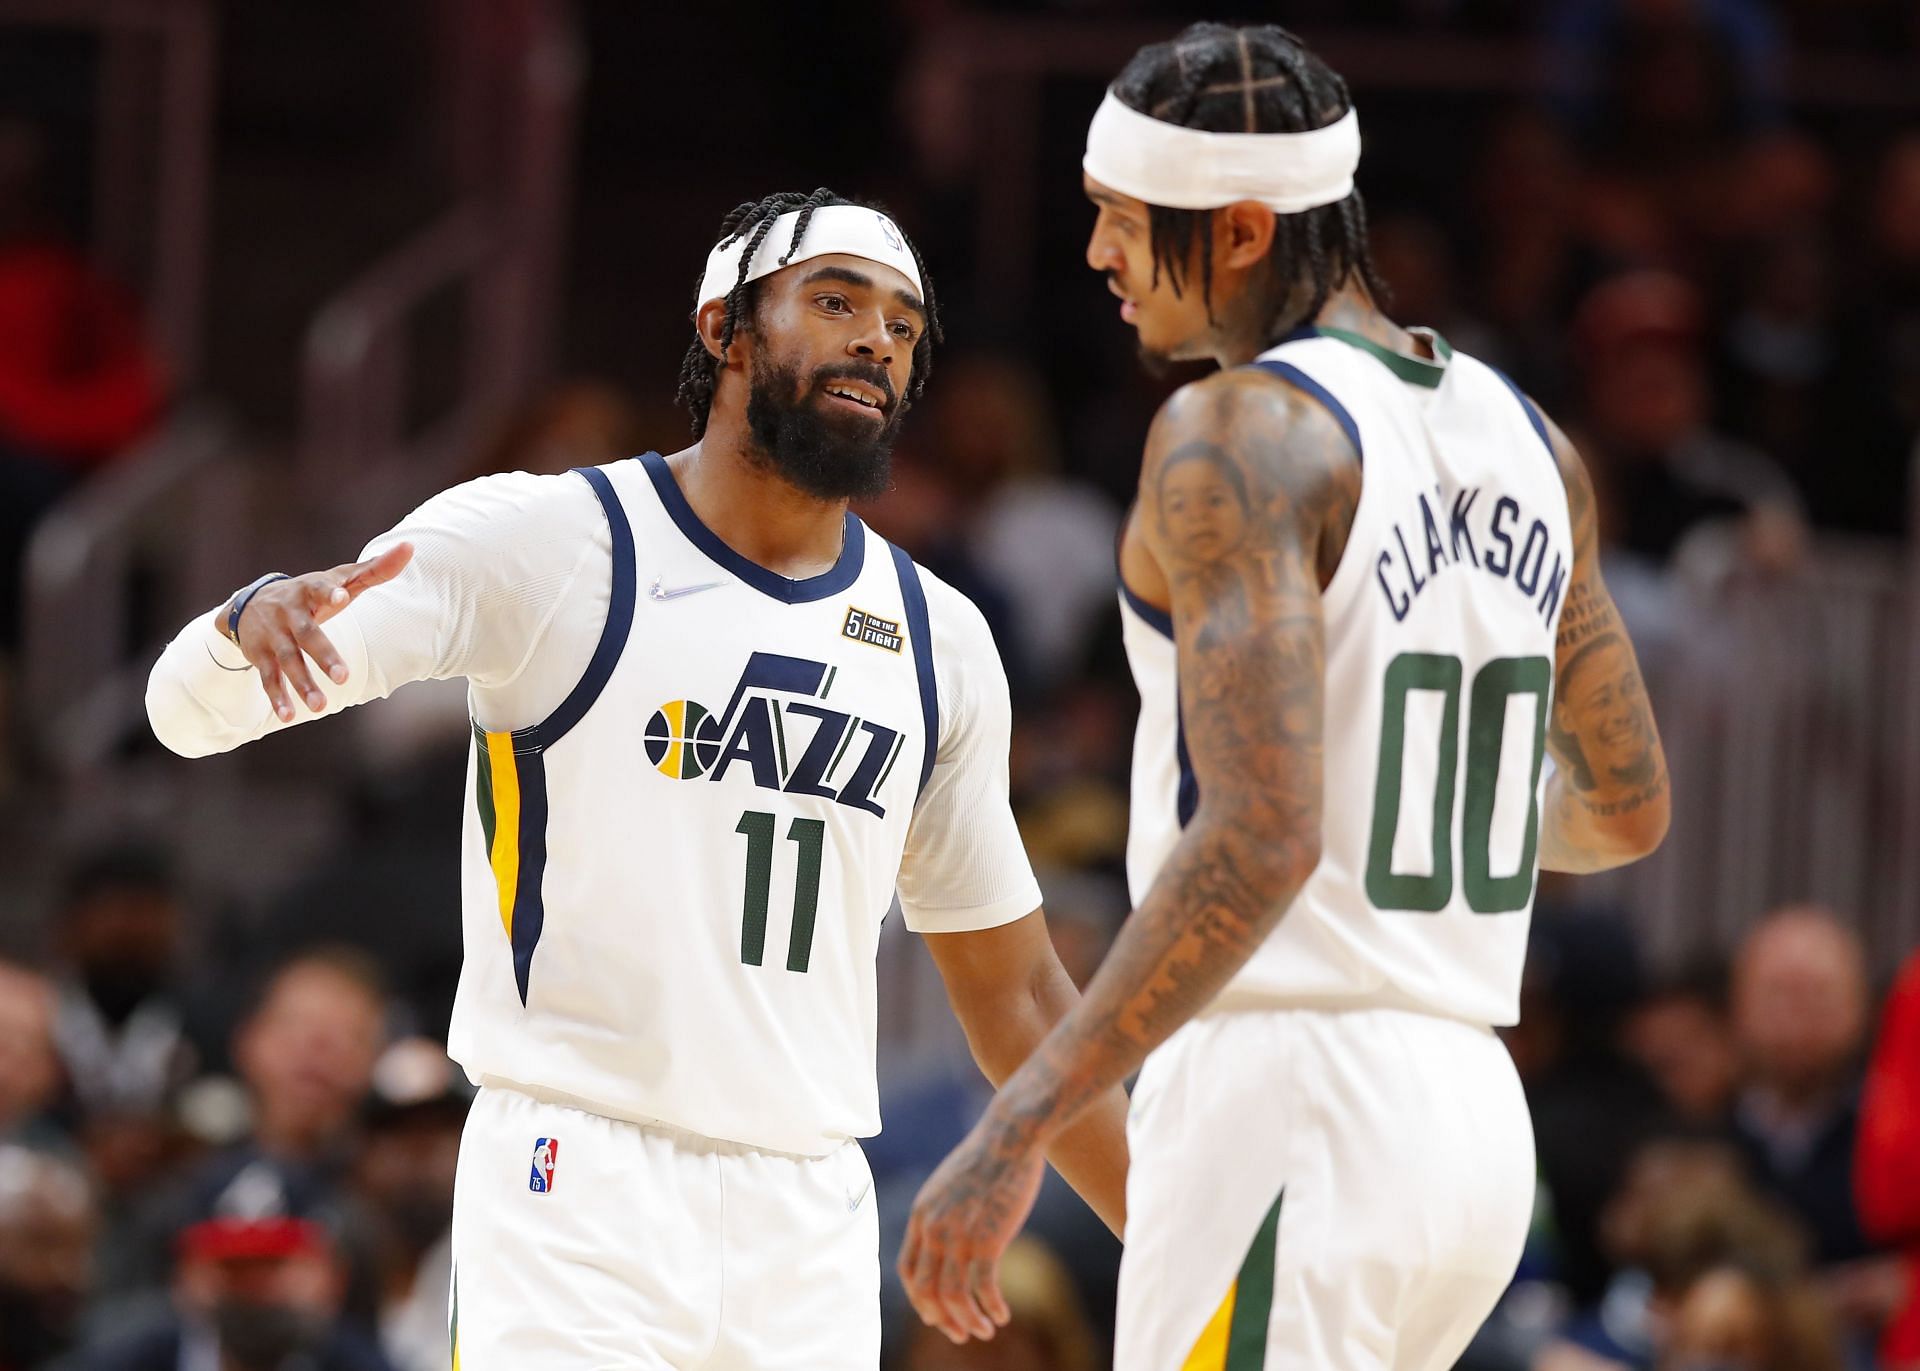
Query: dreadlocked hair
[1259, 79]
[752, 220]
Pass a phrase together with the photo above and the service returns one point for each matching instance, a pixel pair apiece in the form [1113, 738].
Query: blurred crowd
[255, 1173]
[227, 1134]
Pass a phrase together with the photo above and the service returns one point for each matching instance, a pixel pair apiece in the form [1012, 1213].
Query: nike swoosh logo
[853, 1201]
[659, 592]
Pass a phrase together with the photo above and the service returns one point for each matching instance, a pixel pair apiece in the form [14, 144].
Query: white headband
[1182, 168]
[850, 229]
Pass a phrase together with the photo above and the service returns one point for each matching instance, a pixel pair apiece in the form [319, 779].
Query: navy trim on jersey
[1187, 797]
[1288, 372]
[1534, 416]
[914, 596]
[1155, 618]
[613, 633]
[529, 906]
[842, 574]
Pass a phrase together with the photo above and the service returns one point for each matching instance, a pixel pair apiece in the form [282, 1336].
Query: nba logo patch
[545, 1152]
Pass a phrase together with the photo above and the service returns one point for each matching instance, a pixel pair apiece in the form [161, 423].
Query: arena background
[272, 271]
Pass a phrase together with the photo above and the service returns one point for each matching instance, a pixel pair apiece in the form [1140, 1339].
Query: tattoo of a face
[1203, 502]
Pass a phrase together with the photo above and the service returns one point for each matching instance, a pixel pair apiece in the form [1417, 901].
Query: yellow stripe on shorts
[506, 823]
[1210, 1348]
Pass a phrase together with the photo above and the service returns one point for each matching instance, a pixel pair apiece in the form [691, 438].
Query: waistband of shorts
[1246, 1005]
[683, 1138]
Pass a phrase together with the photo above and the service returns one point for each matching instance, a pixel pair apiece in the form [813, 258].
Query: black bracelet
[238, 605]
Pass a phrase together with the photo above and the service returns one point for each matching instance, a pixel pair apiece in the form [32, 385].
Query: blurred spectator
[1048, 1331]
[988, 425]
[1662, 472]
[259, 1286]
[306, 1054]
[78, 382]
[118, 935]
[1668, 78]
[1592, 1104]
[1800, 1013]
[1531, 254]
[29, 1066]
[404, 1175]
[1682, 1035]
[1683, 1212]
[1736, 1318]
[47, 1231]
[580, 423]
[1411, 251]
[1887, 1175]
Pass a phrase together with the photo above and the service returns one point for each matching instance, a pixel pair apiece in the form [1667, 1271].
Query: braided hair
[1259, 79]
[752, 220]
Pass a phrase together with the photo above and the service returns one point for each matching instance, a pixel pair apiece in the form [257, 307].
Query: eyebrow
[1100, 197]
[854, 278]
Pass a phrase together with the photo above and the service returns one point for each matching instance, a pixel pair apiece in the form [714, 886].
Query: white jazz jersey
[695, 787]
[674, 885]
[1440, 629]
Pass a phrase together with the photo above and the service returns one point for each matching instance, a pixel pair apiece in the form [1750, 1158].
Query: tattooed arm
[1246, 486]
[1607, 802]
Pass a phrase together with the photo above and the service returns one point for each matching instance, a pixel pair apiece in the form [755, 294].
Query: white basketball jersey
[674, 885]
[1440, 628]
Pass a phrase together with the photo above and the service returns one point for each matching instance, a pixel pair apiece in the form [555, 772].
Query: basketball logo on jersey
[546, 1152]
[778, 731]
[672, 734]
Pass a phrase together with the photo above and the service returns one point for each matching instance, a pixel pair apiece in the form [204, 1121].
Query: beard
[825, 455]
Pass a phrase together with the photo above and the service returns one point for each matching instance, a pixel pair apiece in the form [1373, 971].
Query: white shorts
[582, 1243]
[1321, 1192]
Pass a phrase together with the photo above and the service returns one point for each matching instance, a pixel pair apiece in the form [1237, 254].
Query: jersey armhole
[913, 598]
[1534, 417]
[613, 633]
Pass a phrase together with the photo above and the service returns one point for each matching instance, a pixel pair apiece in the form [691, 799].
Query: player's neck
[752, 510]
[1351, 309]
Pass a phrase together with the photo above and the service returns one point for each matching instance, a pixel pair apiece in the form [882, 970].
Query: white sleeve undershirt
[508, 587]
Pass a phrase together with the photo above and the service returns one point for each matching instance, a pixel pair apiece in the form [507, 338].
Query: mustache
[868, 373]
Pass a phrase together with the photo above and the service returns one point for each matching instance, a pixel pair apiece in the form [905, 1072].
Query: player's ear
[710, 321]
[1243, 234]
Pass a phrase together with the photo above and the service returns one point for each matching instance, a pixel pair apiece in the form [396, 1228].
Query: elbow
[1640, 833]
[166, 716]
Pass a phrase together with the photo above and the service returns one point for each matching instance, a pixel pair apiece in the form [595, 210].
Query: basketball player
[716, 722]
[1356, 558]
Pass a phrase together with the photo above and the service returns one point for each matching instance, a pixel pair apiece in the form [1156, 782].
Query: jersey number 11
[809, 835]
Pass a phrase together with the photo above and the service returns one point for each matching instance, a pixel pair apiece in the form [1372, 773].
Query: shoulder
[513, 497]
[506, 522]
[959, 629]
[966, 659]
[1247, 439]
[1265, 421]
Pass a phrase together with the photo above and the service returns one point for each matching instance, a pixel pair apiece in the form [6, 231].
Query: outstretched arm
[1607, 801]
[209, 694]
[1242, 477]
[467, 585]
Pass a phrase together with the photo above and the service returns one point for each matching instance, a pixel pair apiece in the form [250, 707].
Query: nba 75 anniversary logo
[546, 1155]
[871, 628]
